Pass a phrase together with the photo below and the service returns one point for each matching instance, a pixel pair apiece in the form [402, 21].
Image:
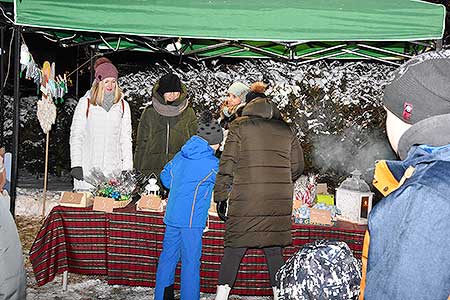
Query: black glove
[222, 210]
[77, 173]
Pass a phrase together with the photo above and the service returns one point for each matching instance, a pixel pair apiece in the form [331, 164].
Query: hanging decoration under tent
[53, 88]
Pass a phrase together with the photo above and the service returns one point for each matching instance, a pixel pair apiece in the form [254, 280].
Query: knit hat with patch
[420, 88]
[239, 89]
[209, 128]
[169, 83]
[420, 95]
[104, 68]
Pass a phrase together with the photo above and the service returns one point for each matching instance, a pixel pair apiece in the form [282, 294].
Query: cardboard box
[103, 204]
[150, 203]
[70, 199]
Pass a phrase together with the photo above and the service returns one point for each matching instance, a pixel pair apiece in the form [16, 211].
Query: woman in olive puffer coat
[261, 159]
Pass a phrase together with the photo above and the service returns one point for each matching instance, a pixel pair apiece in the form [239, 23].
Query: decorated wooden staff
[46, 113]
[52, 90]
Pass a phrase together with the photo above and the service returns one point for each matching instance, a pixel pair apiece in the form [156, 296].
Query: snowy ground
[81, 287]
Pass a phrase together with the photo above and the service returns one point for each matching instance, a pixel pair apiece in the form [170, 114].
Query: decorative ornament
[46, 113]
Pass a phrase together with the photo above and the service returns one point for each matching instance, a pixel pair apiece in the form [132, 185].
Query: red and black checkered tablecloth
[125, 246]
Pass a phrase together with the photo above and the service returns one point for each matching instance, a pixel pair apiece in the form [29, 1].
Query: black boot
[169, 293]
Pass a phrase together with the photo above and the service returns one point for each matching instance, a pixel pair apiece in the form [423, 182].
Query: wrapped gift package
[80, 199]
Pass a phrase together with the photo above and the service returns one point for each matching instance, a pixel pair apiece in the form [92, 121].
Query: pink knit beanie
[104, 68]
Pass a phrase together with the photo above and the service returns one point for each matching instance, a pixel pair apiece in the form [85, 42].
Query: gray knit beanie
[239, 89]
[420, 95]
[420, 88]
[209, 128]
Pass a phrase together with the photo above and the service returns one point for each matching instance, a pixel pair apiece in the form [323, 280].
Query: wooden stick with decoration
[46, 113]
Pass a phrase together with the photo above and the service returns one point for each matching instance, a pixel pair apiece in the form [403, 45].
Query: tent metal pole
[16, 120]
[384, 51]
[369, 57]
[259, 50]
[77, 73]
[319, 51]
[438, 44]
[207, 48]
[2, 80]
[92, 65]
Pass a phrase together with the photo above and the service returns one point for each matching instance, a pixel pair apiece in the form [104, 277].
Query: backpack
[323, 270]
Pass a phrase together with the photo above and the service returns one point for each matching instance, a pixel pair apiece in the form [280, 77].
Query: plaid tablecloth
[125, 246]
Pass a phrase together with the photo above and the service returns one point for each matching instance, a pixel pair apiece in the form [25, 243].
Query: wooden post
[45, 173]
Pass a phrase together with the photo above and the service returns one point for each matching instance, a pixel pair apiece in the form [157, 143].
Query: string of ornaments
[53, 87]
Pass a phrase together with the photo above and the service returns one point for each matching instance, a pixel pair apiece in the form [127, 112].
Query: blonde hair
[98, 93]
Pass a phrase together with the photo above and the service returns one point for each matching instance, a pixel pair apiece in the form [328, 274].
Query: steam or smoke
[342, 154]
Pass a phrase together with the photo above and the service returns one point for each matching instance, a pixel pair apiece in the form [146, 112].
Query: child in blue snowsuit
[190, 176]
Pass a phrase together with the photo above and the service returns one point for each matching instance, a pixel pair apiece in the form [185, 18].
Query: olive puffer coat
[163, 129]
[261, 159]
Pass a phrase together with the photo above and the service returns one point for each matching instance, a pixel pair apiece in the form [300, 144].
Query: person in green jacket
[164, 126]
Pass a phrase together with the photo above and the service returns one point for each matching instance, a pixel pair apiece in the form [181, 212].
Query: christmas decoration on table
[151, 199]
[305, 191]
[119, 185]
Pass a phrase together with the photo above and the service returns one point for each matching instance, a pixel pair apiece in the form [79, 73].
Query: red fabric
[125, 246]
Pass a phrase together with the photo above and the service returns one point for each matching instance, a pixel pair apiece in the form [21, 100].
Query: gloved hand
[77, 173]
[222, 210]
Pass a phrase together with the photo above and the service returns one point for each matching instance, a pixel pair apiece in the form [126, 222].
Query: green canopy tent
[301, 31]
[289, 29]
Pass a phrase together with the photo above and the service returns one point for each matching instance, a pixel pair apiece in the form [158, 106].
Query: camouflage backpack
[323, 270]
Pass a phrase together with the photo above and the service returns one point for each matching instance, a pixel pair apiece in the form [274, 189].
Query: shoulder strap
[123, 107]
[87, 108]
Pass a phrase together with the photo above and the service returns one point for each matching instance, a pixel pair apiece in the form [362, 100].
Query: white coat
[100, 139]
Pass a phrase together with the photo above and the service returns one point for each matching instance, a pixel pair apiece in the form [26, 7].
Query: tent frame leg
[16, 118]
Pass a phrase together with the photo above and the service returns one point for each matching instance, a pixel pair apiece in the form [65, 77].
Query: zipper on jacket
[195, 197]
[167, 140]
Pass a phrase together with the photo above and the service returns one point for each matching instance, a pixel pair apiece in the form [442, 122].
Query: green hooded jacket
[163, 129]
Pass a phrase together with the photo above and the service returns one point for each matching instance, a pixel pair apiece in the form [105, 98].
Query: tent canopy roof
[283, 21]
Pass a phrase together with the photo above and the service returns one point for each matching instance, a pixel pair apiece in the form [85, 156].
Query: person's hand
[77, 173]
[222, 210]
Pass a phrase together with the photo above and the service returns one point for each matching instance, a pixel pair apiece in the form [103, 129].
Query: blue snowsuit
[190, 176]
[409, 256]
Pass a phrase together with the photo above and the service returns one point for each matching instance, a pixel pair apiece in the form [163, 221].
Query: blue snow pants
[184, 243]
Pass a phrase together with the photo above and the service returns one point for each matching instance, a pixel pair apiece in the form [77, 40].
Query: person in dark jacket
[165, 125]
[190, 176]
[408, 256]
[261, 159]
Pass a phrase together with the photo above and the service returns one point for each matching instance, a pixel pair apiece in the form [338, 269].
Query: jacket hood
[418, 155]
[169, 110]
[263, 108]
[196, 148]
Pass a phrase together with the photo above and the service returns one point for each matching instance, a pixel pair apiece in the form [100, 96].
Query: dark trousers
[232, 259]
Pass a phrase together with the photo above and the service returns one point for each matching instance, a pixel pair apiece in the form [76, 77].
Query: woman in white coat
[100, 135]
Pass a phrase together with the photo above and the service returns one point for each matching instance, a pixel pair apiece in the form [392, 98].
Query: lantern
[152, 188]
[354, 199]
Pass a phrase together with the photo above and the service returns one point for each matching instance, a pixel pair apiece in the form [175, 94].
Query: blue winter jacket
[190, 176]
[409, 254]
